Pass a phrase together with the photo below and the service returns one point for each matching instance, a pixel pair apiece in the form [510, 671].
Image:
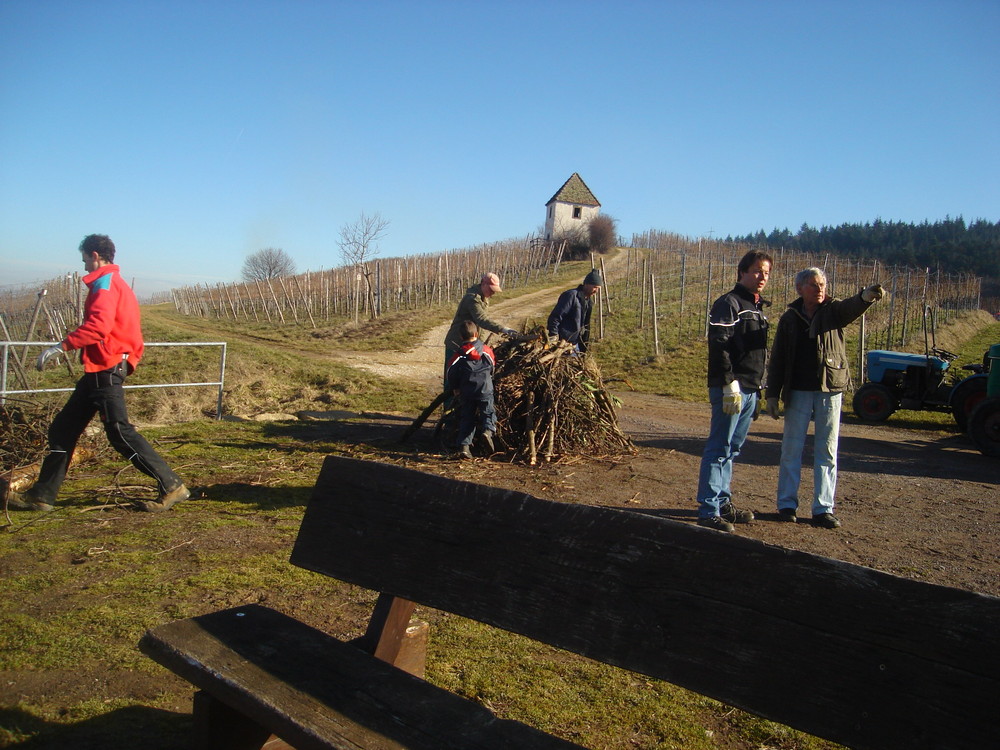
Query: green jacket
[473, 306]
[827, 327]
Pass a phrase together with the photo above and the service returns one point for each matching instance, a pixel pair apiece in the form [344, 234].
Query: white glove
[553, 340]
[772, 407]
[509, 332]
[872, 293]
[732, 399]
[46, 355]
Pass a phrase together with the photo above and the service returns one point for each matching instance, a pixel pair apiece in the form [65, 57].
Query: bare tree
[358, 245]
[269, 263]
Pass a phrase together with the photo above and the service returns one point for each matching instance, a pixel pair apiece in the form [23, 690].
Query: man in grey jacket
[809, 371]
[474, 306]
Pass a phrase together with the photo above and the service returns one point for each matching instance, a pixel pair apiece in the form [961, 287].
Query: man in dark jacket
[737, 354]
[112, 345]
[809, 371]
[570, 318]
[470, 377]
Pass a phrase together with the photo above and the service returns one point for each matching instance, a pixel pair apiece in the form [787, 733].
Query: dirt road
[916, 504]
[425, 361]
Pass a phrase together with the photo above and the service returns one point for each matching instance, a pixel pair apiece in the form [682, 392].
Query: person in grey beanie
[570, 318]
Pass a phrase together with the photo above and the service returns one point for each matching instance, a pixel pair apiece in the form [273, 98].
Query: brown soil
[915, 504]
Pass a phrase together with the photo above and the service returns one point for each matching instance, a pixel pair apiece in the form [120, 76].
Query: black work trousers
[98, 393]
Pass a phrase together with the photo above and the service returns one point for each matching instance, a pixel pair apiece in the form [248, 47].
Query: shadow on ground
[949, 456]
[131, 727]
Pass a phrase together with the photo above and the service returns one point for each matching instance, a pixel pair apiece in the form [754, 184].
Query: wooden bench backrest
[844, 652]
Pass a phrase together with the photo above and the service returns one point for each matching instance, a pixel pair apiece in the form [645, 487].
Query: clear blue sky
[194, 133]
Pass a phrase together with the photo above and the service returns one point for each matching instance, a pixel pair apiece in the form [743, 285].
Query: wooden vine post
[277, 306]
[680, 313]
[606, 290]
[32, 324]
[708, 298]
[304, 301]
[652, 312]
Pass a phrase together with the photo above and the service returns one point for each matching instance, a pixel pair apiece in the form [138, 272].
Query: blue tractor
[900, 380]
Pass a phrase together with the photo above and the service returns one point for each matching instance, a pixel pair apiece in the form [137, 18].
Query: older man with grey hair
[474, 306]
[809, 371]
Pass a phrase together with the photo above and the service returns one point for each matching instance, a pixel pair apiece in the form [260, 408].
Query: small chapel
[570, 210]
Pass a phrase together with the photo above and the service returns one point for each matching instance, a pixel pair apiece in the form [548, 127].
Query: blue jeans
[800, 408]
[725, 439]
[473, 412]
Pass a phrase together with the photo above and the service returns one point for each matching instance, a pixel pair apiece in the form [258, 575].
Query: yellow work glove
[732, 399]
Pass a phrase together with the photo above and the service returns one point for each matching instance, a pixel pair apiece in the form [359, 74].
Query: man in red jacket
[111, 340]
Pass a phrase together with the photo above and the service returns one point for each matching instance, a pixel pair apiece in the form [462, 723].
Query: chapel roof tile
[575, 190]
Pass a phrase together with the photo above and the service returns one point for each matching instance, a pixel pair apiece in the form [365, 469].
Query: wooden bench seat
[315, 691]
[844, 652]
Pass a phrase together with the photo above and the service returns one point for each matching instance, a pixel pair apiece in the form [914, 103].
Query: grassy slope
[289, 368]
[82, 587]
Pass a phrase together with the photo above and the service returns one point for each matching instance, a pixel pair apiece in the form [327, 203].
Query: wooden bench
[844, 652]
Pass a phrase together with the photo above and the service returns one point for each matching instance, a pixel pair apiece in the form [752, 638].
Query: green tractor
[984, 421]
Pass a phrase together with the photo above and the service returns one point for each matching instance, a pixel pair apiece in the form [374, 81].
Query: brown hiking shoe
[24, 501]
[166, 500]
[487, 440]
[716, 522]
[730, 513]
[787, 515]
[826, 521]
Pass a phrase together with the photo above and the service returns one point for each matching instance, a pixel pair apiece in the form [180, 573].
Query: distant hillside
[951, 244]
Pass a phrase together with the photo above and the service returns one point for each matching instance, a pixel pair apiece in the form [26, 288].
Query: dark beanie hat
[594, 277]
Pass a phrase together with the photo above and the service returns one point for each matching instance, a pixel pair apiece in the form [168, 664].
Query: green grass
[84, 586]
[587, 702]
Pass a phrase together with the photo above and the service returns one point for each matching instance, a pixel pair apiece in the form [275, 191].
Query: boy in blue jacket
[470, 377]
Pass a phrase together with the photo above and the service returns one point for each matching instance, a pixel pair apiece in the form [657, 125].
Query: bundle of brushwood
[23, 425]
[551, 402]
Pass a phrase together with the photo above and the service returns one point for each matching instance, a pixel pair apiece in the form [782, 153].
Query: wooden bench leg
[219, 727]
[392, 638]
[412, 656]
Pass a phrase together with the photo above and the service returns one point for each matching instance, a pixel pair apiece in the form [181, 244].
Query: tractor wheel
[967, 396]
[984, 426]
[873, 402]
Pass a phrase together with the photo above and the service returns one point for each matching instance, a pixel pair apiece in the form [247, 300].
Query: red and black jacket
[470, 370]
[110, 328]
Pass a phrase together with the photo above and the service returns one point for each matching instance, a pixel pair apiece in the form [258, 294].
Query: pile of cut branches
[552, 403]
[23, 443]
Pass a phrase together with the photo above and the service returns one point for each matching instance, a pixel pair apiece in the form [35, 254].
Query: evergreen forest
[950, 244]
